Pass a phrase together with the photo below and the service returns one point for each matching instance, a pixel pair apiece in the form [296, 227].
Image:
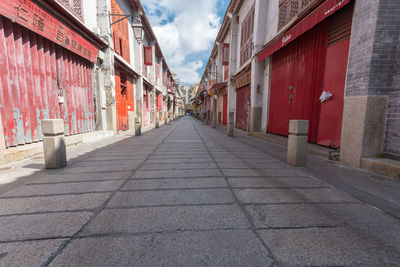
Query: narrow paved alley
[185, 195]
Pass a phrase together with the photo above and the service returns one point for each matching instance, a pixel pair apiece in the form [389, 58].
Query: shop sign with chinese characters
[31, 16]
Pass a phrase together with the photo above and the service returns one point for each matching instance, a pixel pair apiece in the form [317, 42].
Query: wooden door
[242, 107]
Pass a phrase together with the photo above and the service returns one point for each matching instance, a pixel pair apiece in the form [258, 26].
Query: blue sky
[186, 31]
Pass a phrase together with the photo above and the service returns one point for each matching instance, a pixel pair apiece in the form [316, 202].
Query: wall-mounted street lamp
[137, 26]
[138, 29]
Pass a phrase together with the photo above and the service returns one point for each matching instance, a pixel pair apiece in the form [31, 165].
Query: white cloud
[184, 27]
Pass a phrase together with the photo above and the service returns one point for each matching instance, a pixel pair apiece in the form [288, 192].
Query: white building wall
[272, 18]
[90, 15]
[270, 31]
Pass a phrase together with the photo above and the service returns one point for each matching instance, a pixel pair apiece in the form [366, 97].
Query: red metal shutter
[330, 120]
[41, 72]
[148, 55]
[294, 90]
[225, 109]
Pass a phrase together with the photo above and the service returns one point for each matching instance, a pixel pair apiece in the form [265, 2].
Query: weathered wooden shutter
[225, 55]
[148, 56]
[117, 43]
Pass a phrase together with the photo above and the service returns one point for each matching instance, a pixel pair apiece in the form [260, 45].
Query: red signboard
[325, 10]
[31, 16]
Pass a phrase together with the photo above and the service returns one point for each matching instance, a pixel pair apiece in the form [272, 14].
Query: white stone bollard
[138, 127]
[54, 146]
[297, 143]
[157, 124]
[229, 126]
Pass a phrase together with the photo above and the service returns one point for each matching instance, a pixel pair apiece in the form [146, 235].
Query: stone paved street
[186, 195]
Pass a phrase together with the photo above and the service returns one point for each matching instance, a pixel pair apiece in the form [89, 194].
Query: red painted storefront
[314, 62]
[159, 105]
[123, 97]
[45, 72]
[124, 91]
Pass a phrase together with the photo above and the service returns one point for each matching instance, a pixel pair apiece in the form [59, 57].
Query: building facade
[85, 65]
[330, 62]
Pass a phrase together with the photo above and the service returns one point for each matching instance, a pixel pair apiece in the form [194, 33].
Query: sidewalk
[377, 190]
[187, 195]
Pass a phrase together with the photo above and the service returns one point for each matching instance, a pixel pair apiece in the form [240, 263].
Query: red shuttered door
[225, 109]
[121, 99]
[41, 80]
[330, 122]
[296, 82]
[159, 105]
[242, 107]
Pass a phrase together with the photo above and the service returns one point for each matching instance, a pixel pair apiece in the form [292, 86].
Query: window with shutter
[148, 56]
[225, 55]
[247, 27]
[120, 32]
[117, 43]
[226, 72]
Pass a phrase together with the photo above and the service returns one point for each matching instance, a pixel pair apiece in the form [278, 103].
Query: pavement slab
[40, 226]
[327, 247]
[174, 183]
[177, 166]
[97, 169]
[29, 253]
[271, 172]
[171, 197]
[178, 173]
[156, 219]
[18, 205]
[202, 248]
[282, 182]
[82, 177]
[309, 195]
[186, 160]
[64, 188]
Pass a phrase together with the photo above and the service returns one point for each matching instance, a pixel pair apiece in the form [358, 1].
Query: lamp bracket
[124, 17]
[120, 15]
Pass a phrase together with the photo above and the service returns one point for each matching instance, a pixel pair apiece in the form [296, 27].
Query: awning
[216, 87]
[325, 10]
[147, 84]
[123, 65]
